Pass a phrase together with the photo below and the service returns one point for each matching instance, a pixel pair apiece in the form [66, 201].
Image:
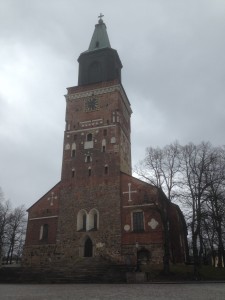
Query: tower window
[93, 220]
[73, 173]
[138, 221]
[73, 150]
[103, 145]
[89, 137]
[106, 170]
[89, 172]
[82, 220]
[73, 153]
[88, 158]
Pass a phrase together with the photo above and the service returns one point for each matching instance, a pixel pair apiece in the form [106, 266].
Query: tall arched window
[103, 145]
[73, 150]
[82, 220]
[138, 221]
[93, 219]
[44, 232]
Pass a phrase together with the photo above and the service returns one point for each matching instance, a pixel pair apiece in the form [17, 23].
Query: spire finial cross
[100, 16]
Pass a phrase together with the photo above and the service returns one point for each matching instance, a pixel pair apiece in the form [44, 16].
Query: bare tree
[15, 231]
[161, 168]
[193, 174]
[5, 209]
[196, 162]
[216, 199]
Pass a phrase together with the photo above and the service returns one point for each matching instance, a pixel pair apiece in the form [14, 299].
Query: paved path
[206, 291]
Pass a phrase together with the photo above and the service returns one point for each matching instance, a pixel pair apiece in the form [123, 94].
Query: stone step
[87, 271]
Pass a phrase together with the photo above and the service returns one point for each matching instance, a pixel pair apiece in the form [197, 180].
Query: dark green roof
[100, 37]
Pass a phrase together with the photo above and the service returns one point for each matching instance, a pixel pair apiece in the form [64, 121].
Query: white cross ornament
[129, 192]
[52, 198]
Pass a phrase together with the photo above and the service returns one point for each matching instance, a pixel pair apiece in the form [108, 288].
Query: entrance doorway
[88, 248]
[143, 257]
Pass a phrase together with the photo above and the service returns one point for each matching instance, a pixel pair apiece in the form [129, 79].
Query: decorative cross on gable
[52, 198]
[129, 192]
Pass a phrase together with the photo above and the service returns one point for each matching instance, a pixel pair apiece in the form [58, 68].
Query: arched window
[138, 221]
[89, 137]
[82, 220]
[93, 219]
[44, 232]
[103, 145]
[106, 170]
[73, 150]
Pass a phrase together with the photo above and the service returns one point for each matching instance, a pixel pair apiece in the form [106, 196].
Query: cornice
[100, 91]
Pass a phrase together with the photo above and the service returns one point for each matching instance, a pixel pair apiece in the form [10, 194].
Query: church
[98, 211]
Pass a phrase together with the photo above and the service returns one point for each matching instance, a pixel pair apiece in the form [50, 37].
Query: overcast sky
[173, 55]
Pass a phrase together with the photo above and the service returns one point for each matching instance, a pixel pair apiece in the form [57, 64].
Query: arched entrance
[143, 256]
[88, 248]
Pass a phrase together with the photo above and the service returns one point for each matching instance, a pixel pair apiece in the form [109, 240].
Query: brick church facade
[98, 210]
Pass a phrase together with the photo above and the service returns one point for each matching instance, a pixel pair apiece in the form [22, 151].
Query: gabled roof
[100, 37]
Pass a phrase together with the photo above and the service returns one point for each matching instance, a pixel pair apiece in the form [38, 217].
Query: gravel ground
[190, 291]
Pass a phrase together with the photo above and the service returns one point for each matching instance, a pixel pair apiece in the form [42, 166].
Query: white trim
[50, 217]
[92, 128]
[138, 205]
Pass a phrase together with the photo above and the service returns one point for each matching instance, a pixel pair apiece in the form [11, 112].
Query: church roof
[100, 37]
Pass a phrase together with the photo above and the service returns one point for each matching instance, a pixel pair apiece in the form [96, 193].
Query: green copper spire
[100, 37]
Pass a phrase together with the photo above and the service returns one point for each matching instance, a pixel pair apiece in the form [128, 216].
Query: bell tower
[97, 134]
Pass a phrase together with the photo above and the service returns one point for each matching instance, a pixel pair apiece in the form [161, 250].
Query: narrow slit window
[73, 154]
[89, 172]
[106, 170]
